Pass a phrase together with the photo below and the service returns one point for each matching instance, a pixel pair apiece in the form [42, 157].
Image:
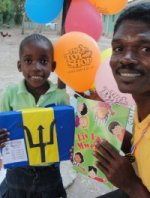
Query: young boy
[130, 63]
[36, 64]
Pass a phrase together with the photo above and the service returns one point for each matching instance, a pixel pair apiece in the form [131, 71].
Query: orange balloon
[109, 6]
[77, 60]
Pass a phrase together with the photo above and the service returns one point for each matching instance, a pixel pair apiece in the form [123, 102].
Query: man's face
[130, 61]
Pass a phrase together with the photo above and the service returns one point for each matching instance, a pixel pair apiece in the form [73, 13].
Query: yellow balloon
[106, 53]
[109, 6]
[77, 60]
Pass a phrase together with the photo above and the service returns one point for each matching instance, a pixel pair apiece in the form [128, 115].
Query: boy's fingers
[4, 137]
[4, 132]
[3, 145]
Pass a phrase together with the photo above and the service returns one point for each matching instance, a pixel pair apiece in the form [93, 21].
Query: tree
[19, 10]
[7, 10]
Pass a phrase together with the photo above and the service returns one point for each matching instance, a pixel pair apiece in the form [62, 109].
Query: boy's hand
[4, 137]
[71, 153]
[92, 95]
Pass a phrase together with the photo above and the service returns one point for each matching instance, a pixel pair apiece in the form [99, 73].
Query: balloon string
[78, 95]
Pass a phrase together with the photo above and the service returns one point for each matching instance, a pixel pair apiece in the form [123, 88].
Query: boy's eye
[44, 61]
[28, 61]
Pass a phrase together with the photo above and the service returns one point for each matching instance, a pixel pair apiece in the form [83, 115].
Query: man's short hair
[138, 12]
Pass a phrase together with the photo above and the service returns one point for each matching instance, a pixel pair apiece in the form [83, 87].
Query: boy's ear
[53, 66]
[19, 66]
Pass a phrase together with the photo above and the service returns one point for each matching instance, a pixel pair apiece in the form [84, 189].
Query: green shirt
[17, 97]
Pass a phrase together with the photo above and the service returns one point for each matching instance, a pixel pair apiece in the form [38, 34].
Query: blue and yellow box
[38, 136]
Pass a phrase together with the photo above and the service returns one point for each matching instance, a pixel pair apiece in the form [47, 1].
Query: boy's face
[36, 63]
[130, 61]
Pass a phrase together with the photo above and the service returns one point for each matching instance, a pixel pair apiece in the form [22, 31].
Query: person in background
[130, 63]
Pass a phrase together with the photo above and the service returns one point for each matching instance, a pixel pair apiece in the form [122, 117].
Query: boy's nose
[37, 66]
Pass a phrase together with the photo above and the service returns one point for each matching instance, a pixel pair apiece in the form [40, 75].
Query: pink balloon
[83, 17]
[107, 88]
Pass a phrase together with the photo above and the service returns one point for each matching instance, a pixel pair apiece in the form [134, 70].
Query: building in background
[109, 20]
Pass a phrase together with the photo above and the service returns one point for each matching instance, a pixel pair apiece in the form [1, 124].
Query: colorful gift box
[38, 136]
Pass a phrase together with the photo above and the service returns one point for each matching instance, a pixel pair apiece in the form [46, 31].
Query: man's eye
[117, 49]
[44, 61]
[146, 49]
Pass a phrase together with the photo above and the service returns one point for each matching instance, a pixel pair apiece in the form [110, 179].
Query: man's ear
[19, 66]
[53, 66]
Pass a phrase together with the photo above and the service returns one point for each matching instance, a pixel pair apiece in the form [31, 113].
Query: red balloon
[83, 17]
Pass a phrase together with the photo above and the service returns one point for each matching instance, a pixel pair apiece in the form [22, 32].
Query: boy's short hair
[138, 12]
[35, 37]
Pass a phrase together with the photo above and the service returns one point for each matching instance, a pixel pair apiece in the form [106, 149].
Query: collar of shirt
[22, 87]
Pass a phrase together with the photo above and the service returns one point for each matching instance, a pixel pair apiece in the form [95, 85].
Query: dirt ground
[77, 185]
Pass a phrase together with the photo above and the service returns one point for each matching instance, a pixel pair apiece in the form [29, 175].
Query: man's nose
[129, 57]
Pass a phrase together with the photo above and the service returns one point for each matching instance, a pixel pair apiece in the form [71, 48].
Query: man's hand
[92, 95]
[117, 168]
[71, 153]
[119, 171]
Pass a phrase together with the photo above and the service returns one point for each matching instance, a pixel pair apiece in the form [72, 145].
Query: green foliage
[7, 11]
[6, 6]
[2, 6]
[12, 11]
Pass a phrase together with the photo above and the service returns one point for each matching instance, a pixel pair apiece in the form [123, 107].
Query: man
[130, 63]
